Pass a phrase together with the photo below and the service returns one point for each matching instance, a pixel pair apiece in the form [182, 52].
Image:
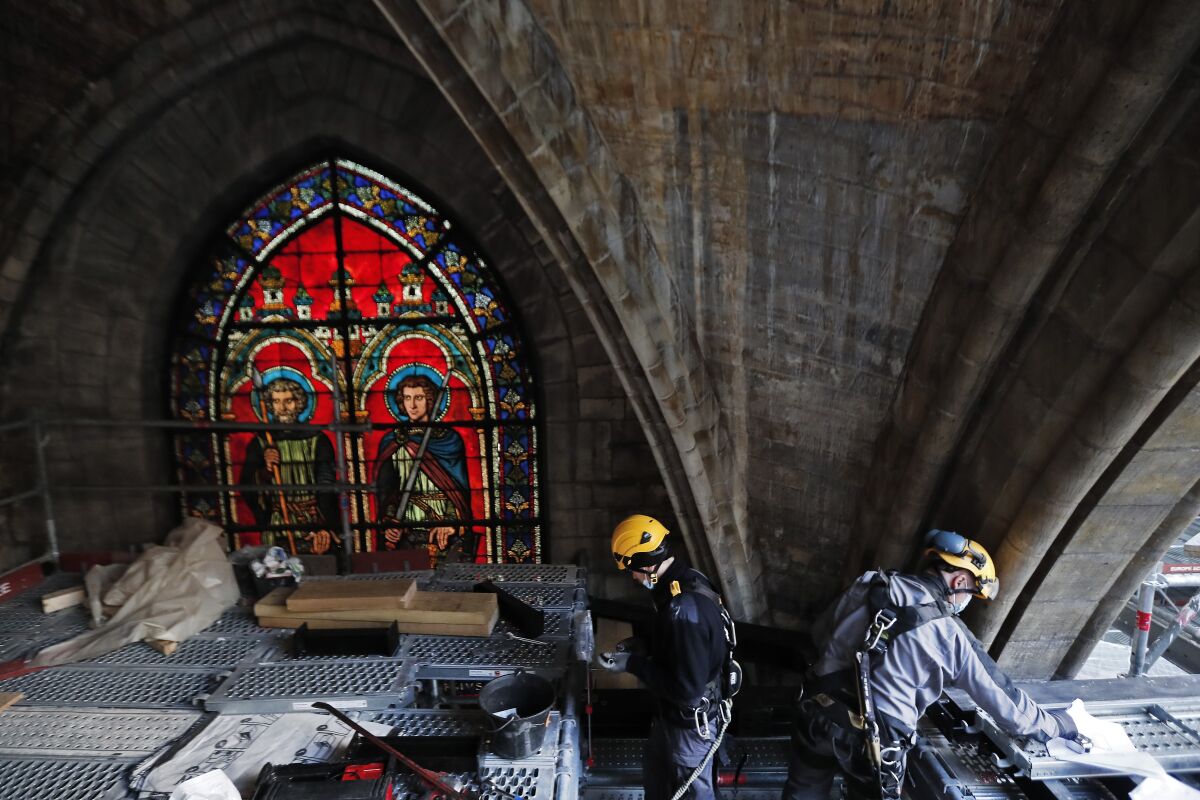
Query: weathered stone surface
[112, 273]
[806, 277]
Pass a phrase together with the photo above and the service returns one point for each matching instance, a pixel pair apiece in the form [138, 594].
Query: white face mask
[958, 608]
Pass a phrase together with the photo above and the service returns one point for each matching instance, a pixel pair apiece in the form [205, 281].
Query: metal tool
[515, 638]
[428, 776]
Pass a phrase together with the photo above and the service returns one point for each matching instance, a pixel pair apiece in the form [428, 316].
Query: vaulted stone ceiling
[802, 168]
[860, 267]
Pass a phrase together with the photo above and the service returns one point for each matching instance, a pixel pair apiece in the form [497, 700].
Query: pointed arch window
[342, 297]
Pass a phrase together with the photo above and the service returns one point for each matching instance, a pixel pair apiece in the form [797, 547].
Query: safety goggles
[955, 544]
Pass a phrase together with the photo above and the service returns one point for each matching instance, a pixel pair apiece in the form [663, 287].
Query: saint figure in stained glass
[422, 485]
[289, 457]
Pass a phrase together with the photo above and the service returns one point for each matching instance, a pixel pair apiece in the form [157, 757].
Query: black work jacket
[687, 645]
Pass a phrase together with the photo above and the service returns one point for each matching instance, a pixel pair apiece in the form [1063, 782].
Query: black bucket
[520, 734]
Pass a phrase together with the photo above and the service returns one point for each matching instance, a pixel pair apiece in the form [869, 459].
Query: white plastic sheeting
[1113, 750]
[170, 593]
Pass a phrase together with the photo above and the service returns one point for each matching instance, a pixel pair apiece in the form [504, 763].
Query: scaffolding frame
[43, 491]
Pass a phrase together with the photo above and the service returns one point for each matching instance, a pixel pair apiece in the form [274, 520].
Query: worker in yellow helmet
[687, 663]
[887, 648]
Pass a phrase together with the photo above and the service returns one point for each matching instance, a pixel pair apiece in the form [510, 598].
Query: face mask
[958, 608]
[646, 581]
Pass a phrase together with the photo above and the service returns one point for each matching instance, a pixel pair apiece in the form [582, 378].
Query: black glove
[1066, 726]
[1067, 729]
[613, 662]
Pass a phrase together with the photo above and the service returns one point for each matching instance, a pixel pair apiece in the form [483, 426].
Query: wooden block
[443, 613]
[164, 646]
[64, 598]
[351, 595]
[8, 699]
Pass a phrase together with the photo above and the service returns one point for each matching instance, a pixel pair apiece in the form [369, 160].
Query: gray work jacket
[919, 664]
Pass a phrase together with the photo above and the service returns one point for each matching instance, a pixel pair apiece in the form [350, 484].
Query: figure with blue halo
[439, 501]
[289, 457]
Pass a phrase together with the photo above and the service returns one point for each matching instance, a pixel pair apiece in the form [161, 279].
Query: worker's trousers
[672, 755]
[822, 749]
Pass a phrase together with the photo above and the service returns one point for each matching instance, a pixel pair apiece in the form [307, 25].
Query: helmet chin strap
[651, 574]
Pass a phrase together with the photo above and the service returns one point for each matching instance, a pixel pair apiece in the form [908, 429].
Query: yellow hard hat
[962, 553]
[639, 541]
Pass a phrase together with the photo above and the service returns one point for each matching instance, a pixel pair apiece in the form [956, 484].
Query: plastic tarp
[170, 593]
[1112, 749]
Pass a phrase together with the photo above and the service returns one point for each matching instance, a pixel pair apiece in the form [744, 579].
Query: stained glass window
[344, 305]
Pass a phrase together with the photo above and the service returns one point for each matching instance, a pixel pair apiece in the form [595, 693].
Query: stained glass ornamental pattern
[341, 296]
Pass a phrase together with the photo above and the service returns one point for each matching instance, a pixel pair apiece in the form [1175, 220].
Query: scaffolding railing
[43, 491]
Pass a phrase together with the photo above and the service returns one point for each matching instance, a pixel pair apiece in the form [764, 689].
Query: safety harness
[888, 622]
[727, 683]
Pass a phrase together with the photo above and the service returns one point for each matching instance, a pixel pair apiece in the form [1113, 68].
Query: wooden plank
[64, 598]
[448, 613]
[457, 608]
[8, 699]
[351, 595]
[434, 629]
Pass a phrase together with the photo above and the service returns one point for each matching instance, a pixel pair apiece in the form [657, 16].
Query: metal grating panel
[510, 573]
[1170, 735]
[557, 626]
[532, 783]
[467, 658]
[23, 618]
[768, 754]
[13, 647]
[538, 596]
[62, 779]
[74, 686]
[618, 755]
[214, 653]
[294, 685]
[431, 722]
[82, 732]
[237, 622]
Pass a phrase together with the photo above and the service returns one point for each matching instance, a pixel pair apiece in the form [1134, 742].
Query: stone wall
[91, 336]
[804, 276]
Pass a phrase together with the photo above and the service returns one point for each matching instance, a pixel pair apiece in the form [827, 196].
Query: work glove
[1067, 729]
[613, 662]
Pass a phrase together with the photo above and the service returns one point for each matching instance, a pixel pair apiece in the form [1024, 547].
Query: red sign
[19, 580]
[1180, 569]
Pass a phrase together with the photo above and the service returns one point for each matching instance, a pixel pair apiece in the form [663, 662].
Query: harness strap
[890, 620]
